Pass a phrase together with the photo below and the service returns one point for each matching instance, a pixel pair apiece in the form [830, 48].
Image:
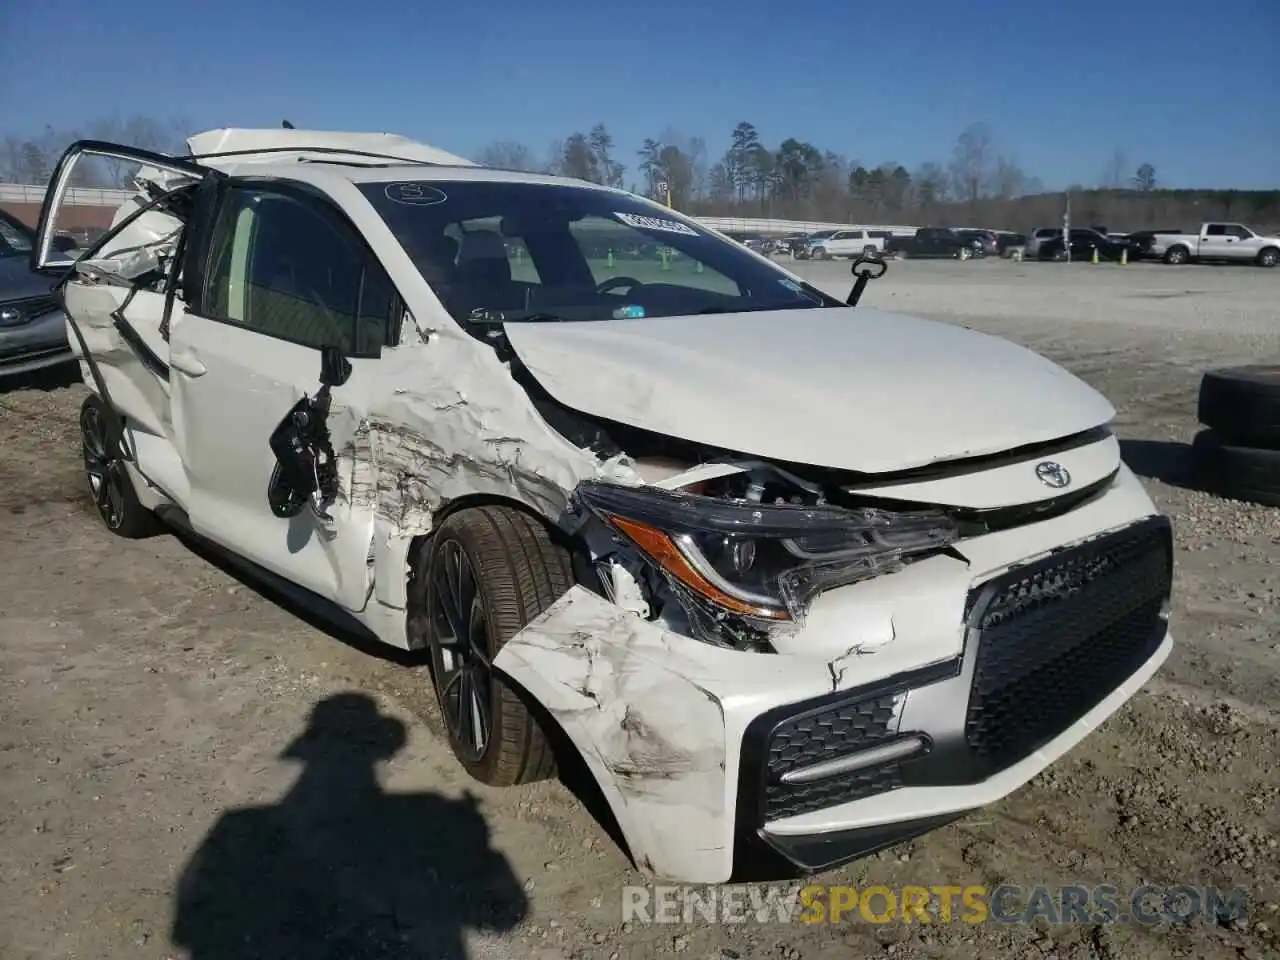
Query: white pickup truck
[1217, 241]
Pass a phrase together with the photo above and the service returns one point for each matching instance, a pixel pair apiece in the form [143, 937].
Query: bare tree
[1007, 179]
[1145, 179]
[601, 143]
[146, 133]
[1116, 170]
[508, 155]
[972, 160]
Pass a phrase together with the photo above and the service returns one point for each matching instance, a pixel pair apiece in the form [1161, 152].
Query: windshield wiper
[497, 318]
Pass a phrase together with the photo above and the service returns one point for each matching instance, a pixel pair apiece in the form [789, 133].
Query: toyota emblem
[1052, 474]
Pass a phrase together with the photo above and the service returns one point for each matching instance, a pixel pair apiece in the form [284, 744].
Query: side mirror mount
[335, 369]
[63, 244]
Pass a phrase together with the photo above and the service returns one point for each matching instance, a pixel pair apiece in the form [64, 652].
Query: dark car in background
[928, 242]
[985, 243]
[802, 246]
[33, 328]
[1084, 242]
[1007, 242]
[1141, 242]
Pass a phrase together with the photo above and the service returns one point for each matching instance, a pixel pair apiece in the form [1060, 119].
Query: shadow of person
[341, 870]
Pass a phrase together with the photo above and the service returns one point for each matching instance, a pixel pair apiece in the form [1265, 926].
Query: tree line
[979, 184]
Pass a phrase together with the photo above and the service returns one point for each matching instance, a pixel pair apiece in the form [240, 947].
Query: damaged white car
[798, 580]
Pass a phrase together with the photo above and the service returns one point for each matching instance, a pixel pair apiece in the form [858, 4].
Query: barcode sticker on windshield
[655, 223]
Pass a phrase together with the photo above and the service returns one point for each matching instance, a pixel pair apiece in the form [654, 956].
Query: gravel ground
[158, 794]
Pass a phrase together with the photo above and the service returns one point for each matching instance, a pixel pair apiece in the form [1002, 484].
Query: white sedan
[797, 580]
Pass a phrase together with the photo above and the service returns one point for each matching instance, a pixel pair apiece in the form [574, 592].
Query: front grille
[837, 731]
[1056, 637]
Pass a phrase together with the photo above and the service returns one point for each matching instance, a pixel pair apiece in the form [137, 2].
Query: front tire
[109, 482]
[483, 575]
[1268, 257]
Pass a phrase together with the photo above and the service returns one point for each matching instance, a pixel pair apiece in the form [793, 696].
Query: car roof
[317, 156]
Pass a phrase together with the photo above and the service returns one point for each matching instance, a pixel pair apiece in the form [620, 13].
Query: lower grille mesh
[1054, 641]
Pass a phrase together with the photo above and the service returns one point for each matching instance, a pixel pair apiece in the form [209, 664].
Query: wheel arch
[419, 542]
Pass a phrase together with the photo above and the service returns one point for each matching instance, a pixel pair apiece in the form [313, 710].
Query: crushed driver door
[281, 288]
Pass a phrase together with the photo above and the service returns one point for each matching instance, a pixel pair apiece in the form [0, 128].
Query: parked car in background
[1007, 242]
[804, 246]
[928, 242]
[1039, 236]
[791, 242]
[1227, 242]
[1084, 242]
[846, 243]
[1143, 243]
[33, 328]
[983, 242]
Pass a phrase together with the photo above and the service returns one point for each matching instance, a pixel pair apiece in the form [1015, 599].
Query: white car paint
[846, 243]
[660, 717]
[748, 381]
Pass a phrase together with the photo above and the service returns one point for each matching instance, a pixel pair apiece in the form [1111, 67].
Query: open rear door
[118, 289]
[56, 249]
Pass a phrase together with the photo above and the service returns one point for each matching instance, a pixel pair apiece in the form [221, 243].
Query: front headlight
[764, 561]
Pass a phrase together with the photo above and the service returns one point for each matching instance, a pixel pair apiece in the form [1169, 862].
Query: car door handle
[188, 364]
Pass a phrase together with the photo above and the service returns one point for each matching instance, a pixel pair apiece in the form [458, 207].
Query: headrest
[482, 245]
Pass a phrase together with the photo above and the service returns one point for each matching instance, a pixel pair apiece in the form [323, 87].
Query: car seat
[483, 276]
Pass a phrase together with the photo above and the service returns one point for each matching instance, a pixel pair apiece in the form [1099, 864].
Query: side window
[12, 240]
[285, 266]
[1239, 232]
[1216, 230]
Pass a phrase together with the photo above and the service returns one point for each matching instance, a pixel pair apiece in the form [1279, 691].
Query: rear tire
[108, 478]
[1177, 256]
[485, 574]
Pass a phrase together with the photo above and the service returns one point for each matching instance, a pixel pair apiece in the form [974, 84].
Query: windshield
[528, 251]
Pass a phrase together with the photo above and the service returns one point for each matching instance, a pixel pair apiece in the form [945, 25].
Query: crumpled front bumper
[39, 343]
[721, 764]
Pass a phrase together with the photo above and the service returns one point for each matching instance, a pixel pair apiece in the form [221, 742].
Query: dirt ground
[190, 767]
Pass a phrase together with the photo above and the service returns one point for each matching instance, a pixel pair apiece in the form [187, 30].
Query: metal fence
[76, 196]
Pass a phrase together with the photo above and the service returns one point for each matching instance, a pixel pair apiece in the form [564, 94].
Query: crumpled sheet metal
[658, 718]
[448, 421]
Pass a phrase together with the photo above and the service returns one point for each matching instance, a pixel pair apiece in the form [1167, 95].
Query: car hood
[859, 390]
[17, 281]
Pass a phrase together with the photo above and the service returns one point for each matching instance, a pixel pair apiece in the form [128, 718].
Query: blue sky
[1187, 85]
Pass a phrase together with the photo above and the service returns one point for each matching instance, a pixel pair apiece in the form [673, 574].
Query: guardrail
[78, 196]
[767, 225]
[106, 197]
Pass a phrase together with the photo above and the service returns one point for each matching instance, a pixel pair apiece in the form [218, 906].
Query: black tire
[517, 572]
[1235, 472]
[1177, 255]
[108, 480]
[1242, 404]
[1268, 256]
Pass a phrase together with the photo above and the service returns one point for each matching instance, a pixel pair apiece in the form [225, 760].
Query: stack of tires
[1238, 456]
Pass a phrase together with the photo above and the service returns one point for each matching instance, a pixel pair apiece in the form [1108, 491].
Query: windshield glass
[495, 251]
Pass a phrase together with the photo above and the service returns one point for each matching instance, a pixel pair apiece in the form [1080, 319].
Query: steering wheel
[607, 285]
